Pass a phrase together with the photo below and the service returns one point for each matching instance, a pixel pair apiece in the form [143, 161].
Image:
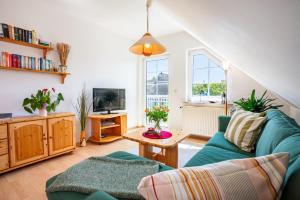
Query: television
[108, 99]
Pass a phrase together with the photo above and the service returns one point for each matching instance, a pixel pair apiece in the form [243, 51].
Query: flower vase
[63, 68]
[43, 111]
[82, 138]
[157, 127]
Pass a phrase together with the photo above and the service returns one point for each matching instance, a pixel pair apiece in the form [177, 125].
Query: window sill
[204, 104]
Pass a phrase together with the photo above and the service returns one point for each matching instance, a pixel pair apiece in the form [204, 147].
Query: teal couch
[280, 134]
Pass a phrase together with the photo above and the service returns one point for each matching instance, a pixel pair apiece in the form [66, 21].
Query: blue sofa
[280, 134]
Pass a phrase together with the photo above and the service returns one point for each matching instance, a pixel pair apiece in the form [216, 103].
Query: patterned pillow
[244, 128]
[251, 178]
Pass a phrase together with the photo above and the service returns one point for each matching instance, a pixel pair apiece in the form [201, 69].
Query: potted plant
[45, 101]
[257, 105]
[156, 115]
[83, 108]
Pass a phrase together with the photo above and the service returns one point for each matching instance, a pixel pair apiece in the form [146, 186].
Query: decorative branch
[63, 51]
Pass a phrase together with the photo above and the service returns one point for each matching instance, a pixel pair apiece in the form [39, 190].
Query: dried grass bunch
[63, 51]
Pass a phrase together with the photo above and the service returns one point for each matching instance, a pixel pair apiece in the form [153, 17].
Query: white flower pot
[43, 112]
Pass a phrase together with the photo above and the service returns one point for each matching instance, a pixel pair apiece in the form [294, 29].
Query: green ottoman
[96, 195]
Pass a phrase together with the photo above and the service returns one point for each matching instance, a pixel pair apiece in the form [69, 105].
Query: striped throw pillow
[244, 128]
[251, 178]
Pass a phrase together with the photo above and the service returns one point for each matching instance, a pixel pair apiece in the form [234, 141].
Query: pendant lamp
[147, 45]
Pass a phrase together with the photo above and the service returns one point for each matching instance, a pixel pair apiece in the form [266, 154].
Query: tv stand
[108, 113]
[108, 133]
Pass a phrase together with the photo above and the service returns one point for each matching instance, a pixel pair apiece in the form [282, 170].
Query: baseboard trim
[201, 137]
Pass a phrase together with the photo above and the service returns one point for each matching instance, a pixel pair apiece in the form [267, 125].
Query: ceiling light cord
[147, 7]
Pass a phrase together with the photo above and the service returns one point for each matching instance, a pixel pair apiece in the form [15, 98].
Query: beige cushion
[244, 129]
[243, 179]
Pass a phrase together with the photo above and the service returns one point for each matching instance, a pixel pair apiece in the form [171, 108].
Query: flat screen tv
[108, 99]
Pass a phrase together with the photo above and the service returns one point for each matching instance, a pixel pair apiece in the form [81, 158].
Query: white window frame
[153, 58]
[203, 99]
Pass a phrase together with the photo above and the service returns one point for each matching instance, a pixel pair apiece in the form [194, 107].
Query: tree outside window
[208, 78]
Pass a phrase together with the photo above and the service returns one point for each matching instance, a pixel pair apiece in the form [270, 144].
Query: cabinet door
[61, 133]
[28, 141]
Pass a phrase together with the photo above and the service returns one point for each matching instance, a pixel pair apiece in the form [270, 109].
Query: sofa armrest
[100, 195]
[223, 123]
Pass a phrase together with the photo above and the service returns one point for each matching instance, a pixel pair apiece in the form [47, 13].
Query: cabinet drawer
[4, 162]
[3, 147]
[3, 131]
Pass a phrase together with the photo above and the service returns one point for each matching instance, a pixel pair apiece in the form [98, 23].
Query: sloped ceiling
[124, 17]
[260, 37]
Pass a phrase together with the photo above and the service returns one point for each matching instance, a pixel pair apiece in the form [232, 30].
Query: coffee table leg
[171, 156]
[145, 151]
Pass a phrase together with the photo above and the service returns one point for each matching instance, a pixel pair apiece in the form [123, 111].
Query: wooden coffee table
[169, 146]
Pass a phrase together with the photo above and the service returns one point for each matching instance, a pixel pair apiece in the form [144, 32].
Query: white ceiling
[124, 17]
[261, 37]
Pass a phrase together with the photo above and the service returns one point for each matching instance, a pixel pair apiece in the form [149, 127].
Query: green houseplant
[257, 105]
[156, 115]
[45, 101]
[82, 109]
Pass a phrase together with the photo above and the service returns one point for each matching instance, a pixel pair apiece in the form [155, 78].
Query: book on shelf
[1, 30]
[19, 34]
[25, 62]
[5, 30]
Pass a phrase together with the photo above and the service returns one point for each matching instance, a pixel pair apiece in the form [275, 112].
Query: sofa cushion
[290, 144]
[218, 140]
[278, 127]
[253, 178]
[212, 154]
[244, 129]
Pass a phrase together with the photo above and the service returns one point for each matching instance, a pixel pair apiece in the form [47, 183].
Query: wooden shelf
[63, 75]
[45, 49]
[110, 126]
[107, 139]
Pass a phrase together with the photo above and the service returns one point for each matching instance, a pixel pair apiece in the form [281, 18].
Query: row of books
[25, 62]
[19, 34]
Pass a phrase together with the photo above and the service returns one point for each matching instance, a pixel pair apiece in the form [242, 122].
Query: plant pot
[43, 112]
[82, 138]
[63, 68]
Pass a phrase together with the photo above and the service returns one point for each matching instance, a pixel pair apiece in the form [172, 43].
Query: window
[207, 81]
[157, 82]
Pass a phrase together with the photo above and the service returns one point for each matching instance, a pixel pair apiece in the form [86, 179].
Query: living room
[180, 98]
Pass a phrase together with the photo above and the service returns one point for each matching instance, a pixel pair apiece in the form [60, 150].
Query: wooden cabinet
[4, 162]
[61, 134]
[28, 141]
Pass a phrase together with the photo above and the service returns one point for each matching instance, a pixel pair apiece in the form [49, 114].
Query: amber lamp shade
[147, 46]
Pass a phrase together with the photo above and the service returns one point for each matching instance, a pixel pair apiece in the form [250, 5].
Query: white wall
[239, 84]
[97, 58]
[259, 37]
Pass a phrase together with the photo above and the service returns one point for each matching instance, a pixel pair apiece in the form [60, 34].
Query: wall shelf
[45, 49]
[63, 75]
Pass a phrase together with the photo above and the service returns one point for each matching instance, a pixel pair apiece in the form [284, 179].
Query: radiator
[201, 120]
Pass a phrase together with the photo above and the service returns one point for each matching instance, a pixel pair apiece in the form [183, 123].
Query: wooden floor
[28, 183]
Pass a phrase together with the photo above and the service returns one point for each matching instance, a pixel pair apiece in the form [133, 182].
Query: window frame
[145, 60]
[189, 82]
